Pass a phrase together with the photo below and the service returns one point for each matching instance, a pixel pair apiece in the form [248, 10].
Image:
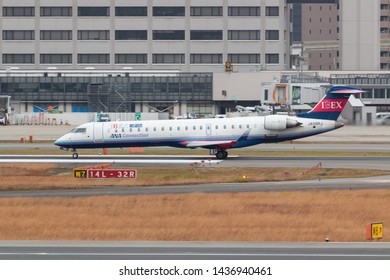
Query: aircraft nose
[60, 141]
[57, 142]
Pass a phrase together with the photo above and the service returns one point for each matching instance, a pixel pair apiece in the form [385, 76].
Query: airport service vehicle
[219, 134]
[383, 118]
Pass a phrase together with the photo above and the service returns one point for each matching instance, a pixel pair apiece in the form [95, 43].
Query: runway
[360, 162]
[96, 250]
[143, 160]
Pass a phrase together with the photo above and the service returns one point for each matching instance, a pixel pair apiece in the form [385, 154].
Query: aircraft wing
[199, 144]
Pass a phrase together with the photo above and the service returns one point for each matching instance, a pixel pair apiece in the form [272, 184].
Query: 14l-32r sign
[112, 173]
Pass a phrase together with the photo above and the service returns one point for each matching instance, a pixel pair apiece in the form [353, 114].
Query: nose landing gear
[75, 154]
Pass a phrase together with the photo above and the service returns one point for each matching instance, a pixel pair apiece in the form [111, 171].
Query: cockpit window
[80, 130]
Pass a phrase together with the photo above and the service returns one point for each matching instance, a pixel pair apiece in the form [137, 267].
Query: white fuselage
[223, 133]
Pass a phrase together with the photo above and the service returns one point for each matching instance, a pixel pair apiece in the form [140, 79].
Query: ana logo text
[116, 135]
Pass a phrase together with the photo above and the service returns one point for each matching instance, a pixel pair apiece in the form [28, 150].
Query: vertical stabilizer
[332, 104]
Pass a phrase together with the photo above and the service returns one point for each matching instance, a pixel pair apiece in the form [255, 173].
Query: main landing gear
[221, 154]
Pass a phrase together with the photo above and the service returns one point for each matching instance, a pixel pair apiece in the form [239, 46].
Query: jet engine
[279, 122]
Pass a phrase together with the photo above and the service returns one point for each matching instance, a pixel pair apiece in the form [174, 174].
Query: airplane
[219, 134]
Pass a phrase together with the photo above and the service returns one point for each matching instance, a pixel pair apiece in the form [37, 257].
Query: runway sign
[112, 173]
[374, 231]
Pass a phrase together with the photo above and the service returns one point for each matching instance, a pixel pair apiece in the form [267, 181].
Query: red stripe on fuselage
[330, 105]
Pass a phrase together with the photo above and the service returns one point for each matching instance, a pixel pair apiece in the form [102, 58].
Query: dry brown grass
[268, 216]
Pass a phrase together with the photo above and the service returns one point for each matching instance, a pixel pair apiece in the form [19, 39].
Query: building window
[200, 109]
[168, 11]
[266, 94]
[98, 58]
[55, 58]
[18, 35]
[272, 11]
[93, 11]
[167, 58]
[131, 35]
[206, 58]
[206, 11]
[244, 58]
[272, 34]
[379, 93]
[18, 11]
[56, 11]
[206, 35]
[272, 58]
[131, 58]
[168, 35]
[367, 93]
[56, 34]
[243, 34]
[93, 35]
[18, 58]
[244, 11]
[131, 11]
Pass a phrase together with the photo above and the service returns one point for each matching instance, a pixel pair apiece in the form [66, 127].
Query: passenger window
[247, 126]
[224, 127]
[194, 127]
[201, 127]
[216, 127]
[232, 126]
[139, 129]
[162, 128]
[146, 129]
[178, 128]
[154, 129]
[186, 128]
[170, 128]
[240, 126]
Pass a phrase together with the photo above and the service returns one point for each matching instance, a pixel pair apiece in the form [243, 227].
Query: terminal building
[192, 36]
[179, 57]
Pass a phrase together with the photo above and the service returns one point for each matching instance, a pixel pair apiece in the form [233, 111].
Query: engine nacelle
[279, 122]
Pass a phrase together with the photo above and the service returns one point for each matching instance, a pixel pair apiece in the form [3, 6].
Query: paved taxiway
[84, 250]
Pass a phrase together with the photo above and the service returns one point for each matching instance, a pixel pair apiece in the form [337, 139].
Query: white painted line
[75, 161]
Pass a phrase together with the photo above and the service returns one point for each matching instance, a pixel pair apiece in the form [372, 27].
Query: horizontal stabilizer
[347, 91]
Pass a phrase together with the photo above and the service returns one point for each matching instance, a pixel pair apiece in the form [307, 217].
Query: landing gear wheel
[75, 155]
[221, 154]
